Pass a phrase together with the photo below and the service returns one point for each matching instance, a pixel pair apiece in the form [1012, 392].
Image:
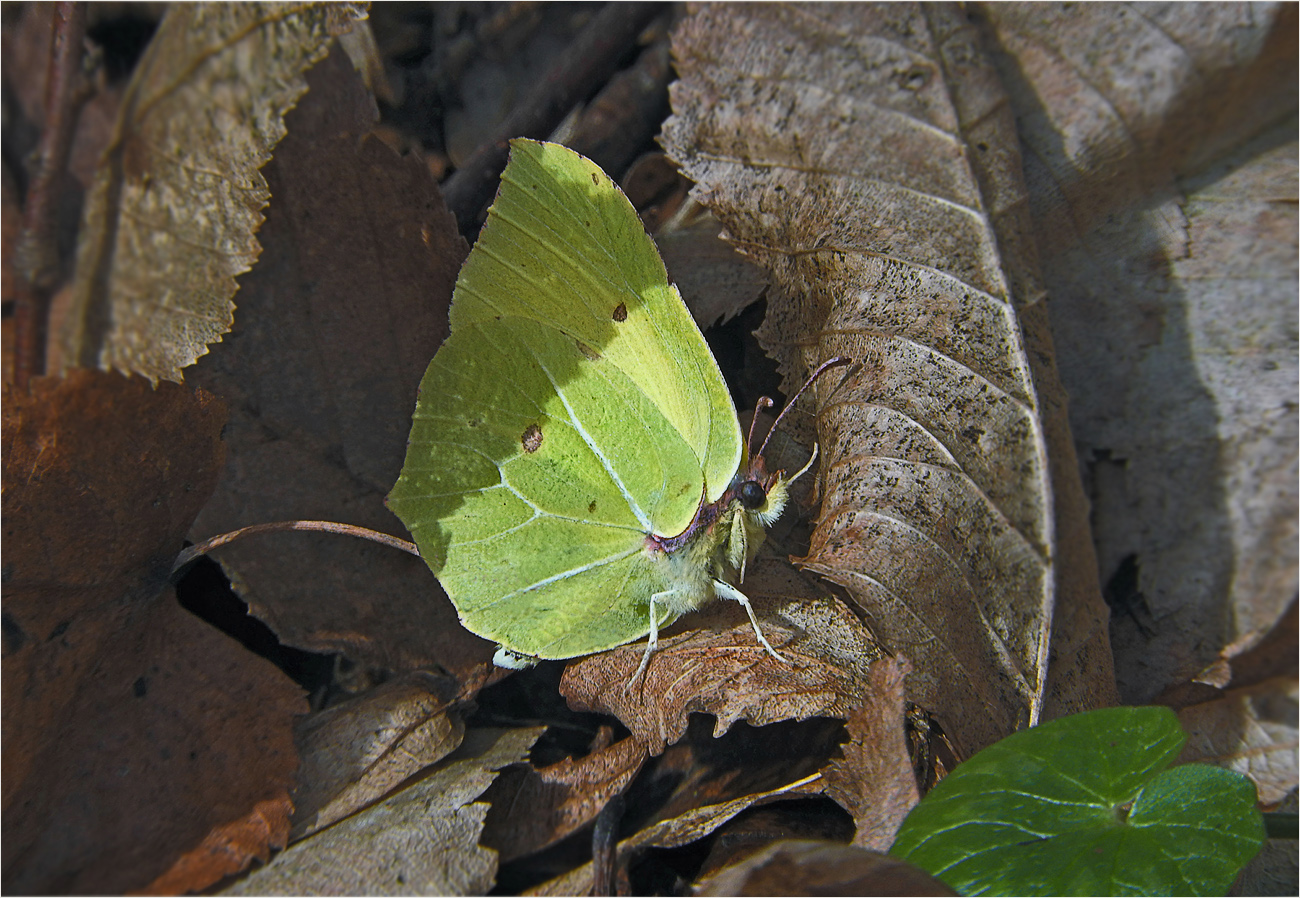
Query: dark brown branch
[589, 60]
[37, 250]
[217, 542]
[604, 847]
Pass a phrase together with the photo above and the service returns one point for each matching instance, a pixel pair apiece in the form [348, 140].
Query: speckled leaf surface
[875, 174]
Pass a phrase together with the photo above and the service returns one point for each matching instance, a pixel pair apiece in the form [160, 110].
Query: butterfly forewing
[563, 245]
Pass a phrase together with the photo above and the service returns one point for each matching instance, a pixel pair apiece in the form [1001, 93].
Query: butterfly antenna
[762, 404]
[825, 366]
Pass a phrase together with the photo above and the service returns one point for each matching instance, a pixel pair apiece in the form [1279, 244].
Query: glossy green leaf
[1085, 806]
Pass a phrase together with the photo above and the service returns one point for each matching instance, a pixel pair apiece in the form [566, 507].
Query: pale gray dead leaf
[170, 218]
[1251, 730]
[357, 752]
[420, 841]
[682, 830]
[1173, 301]
[865, 157]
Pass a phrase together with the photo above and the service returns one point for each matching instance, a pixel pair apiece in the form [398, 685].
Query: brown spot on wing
[532, 438]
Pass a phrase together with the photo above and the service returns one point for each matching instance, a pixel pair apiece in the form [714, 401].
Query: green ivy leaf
[1085, 806]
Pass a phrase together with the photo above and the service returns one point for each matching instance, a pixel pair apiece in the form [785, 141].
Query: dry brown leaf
[421, 840]
[681, 830]
[137, 739]
[533, 808]
[336, 324]
[1251, 730]
[359, 751]
[170, 219]
[864, 155]
[715, 665]
[1173, 304]
[808, 867]
[874, 781]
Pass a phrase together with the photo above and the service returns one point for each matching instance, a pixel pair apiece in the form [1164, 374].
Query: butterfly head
[760, 494]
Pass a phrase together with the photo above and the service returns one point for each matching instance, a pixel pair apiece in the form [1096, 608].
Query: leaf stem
[37, 251]
[216, 542]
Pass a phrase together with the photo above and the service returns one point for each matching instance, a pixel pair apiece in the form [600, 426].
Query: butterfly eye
[752, 494]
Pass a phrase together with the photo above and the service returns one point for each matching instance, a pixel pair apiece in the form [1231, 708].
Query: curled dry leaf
[681, 830]
[808, 867]
[874, 172]
[138, 741]
[875, 781]
[533, 808]
[170, 218]
[1174, 304]
[336, 324]
[717, 667]
[1251, 730]
[421, 840]
[357, 752]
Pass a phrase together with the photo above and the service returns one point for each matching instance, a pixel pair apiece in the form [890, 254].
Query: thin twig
[215, 542]
[37, 251]
[604, 847]
[589, 60]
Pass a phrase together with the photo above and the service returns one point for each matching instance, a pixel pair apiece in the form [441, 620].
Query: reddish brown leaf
[133, 732]
[335, 326]
[227, 849]
[874, 781]
[533, 808]
[716, 666]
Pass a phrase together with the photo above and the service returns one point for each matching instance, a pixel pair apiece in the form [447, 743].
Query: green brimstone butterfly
[576, 476]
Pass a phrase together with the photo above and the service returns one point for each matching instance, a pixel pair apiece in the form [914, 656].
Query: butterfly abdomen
[689, 566]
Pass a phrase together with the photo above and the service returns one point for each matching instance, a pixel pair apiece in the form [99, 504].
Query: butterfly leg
[653, 642]
[727, 591]
[513, 660]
